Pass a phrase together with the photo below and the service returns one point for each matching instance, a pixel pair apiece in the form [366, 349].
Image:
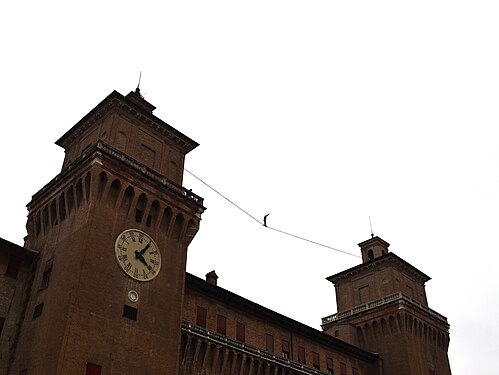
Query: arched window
[370, 255]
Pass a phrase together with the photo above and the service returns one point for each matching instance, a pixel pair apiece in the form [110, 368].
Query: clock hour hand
[139, 256]
[145, 249]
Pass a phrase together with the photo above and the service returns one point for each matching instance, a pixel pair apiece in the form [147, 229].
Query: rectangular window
[410, 292]
[240, 332]
[129, 312]
[315, 360]
[38, 310]
[301, 355]
[364, 294]
[355, 371]
[93, 369]
[13, 266]
[285, 349]
[221, 324]
[329, 366]
[343, 368]
[269, 343]
[2, 322]
[46, 273]
[201, 316]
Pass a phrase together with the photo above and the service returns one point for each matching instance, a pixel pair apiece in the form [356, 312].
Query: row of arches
[426, 332]
[110, 193]
[200, 356]
[395, 324]
[114, 195]
[60, 207]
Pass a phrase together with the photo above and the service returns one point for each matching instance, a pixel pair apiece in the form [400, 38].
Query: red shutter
[285, 349]
[315, 359]
[221, 324]
[269, 343]
[343, 368]
[301, 354]
[329, 363]
[93, 369]
[201, 317]
[240, 332]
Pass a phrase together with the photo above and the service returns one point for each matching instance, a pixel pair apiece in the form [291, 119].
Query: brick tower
[382, 308]
[112, 231]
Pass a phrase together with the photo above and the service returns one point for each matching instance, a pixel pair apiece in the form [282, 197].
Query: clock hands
[137, 254]
[145, 248]
[140, 254]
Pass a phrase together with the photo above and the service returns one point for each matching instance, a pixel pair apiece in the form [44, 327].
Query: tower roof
[374, 241]
[391, 258]
[134, 104]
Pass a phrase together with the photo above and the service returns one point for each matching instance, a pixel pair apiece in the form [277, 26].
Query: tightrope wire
[266, 226]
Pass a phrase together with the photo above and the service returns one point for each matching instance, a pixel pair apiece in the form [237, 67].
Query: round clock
[137, 254]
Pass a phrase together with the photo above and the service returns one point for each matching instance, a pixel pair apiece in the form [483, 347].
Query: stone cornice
[399, 299]
[370, 266]
[117, 102]
[99, 149]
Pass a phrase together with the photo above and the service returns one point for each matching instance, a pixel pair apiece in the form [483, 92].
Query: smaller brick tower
[382, 307]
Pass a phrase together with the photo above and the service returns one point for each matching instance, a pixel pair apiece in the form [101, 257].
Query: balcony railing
[249, 350]
[170, 185]
[380, 302]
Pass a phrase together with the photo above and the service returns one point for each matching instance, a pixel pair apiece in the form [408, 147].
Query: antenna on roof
[138, 84]
[370, 224]
[137, 90]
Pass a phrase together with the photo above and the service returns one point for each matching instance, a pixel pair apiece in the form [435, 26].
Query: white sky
[320, 112]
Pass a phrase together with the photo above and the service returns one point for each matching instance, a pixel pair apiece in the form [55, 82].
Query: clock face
[138, 255]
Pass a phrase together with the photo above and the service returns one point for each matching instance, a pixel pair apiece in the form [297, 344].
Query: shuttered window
[221, 324]
[46, 273]
[301, 354]
[201, 317]
[315, 360]
[269, 343]
[93, 369]
[130, 312]
[240, 332]
[38, 310]
[343, 369]
[329, 366]
[285, 349]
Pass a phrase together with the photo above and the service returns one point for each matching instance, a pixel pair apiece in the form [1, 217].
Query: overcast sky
[322, 113]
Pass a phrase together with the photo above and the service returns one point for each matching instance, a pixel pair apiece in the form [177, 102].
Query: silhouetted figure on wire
[265, 220]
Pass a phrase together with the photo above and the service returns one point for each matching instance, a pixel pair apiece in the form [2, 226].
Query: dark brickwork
[73, 223]
[14, 296]
[260, 322]
[66, 305]
[382, 307]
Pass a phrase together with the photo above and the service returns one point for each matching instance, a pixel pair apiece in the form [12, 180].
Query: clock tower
[112, 231]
